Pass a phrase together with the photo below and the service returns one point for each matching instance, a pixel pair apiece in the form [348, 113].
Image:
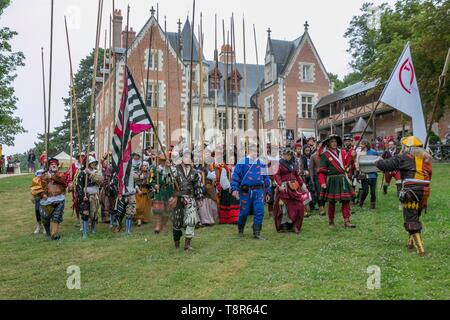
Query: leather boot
[241, 228]
[257, 232]
[361, 203]
[373, 205]
[410, 243]
[46, 225]
[347, 224]
[385, 189]
[54, 228]
[177, 244]
[158, 219]
[187, 244]
[418, 243]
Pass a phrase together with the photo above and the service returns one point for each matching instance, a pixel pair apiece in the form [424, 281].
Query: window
[307, 107]
[268, 73]
[243, 121]
[153, 95]
[268, 108]
[152, 61]
[307, 72]
[214, 83]
[222, 120]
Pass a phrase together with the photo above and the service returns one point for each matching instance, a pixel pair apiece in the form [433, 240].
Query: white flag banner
[402, 93]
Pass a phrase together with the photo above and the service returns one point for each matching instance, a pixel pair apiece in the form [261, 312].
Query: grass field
[321, 263]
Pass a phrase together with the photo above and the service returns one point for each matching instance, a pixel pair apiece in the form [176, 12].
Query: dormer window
[214, 79]
[234, 82]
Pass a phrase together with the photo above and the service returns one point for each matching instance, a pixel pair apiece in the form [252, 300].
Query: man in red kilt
[334, 181]
[288, 206]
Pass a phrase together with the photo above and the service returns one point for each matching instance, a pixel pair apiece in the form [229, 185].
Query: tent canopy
[63, 156]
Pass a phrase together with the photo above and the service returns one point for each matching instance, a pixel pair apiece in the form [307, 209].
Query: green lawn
[321, 263]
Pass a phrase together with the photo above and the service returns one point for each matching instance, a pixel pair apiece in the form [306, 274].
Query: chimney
[131, 36]
[227, 54]
[117, 29]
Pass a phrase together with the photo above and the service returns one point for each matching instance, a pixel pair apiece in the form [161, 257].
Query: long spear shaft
[168, 81]
[45, 103]
[191, 78]
[245, 86]
[94, 79]
[216, 60]
[50, 79]
[148, 78]
[442, 79]
[73, 91]
[258, 113]
[104, 79]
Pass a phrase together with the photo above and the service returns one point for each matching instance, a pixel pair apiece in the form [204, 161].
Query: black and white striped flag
[131, 120]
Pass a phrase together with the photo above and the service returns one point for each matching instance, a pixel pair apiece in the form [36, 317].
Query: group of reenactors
[292, 183]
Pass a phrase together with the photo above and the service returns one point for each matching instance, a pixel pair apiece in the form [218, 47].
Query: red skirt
[228, 208]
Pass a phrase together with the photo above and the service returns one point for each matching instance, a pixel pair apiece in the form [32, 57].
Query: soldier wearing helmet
[414, 164]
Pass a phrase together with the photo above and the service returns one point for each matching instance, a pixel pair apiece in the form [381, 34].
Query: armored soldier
[88, 195]
[52, 192]
[189, 197]
[415, 167]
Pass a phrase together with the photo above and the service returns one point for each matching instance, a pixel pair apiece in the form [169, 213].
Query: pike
[73, 96]
[232, 75]
[225, 72]
[442, 81]
[259, 91]
[50, 82]
[191, 75]
[94, 76]
[216, 60]
[45, 103]
[202, 113]
[148, 77]
[245, 87]
[168, 81]
[104, 78]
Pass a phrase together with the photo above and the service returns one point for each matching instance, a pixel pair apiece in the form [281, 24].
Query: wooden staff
[216, 60]
[45, 103]
[156, 103]
[145, 133]
[245, 86]
[110, 82]
[202, 113]
[232, 75]
[72, 95]
[442, 80]
[94, 77]
[168, 84]
[50, 82]
[180, 59]
[259, 91]
[103, 84]
[190, 118]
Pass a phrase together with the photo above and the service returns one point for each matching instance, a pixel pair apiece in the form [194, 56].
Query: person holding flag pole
[414, 162]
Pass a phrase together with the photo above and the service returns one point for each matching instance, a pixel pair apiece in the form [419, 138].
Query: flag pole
[442, 80]
[245, 88]
[257, 95]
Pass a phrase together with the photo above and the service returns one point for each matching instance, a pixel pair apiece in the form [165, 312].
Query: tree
[59, 138]
[425, 24]
[348, 80]
[10, 125]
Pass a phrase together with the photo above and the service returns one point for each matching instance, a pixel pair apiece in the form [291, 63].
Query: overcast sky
[328, 21]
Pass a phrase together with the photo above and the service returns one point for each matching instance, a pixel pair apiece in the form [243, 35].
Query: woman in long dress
[289, 208]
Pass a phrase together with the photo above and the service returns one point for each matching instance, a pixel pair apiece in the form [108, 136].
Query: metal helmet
[411, 141]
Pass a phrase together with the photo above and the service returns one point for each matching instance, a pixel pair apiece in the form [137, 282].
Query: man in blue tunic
[251, 185]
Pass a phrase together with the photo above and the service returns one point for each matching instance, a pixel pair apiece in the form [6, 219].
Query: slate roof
[360, 125]
[282, 51]
[254, 73]
[346, 93]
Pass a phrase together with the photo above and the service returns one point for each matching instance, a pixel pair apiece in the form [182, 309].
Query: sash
[340, 163]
